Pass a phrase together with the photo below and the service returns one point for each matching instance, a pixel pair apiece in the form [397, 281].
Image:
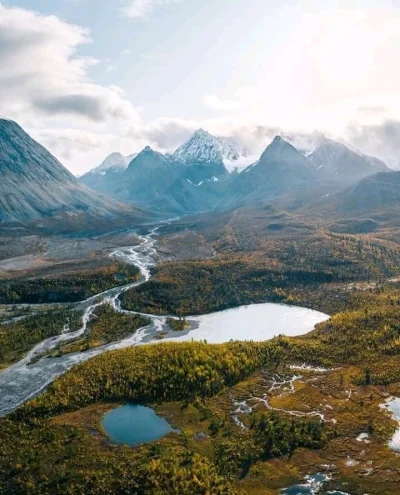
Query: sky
[87, 78]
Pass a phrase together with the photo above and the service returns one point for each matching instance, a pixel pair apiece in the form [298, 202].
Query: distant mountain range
[281, 169]
[195, 178]
[314, 177]
[190, 180]
[35, 186]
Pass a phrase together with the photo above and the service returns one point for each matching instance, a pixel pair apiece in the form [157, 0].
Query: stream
[32, 374]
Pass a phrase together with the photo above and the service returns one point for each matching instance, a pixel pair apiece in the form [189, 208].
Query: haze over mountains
[324, 177]
[196, 179]
[375, 194]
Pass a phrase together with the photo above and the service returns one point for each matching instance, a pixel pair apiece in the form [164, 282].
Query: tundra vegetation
[55, 442]
[252, 418]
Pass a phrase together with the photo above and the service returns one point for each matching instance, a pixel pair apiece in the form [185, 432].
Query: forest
[154, 373]
[55, 443]
[366, 333]
[254, 263]
[107, 326]
[48, 459]
[53, 453]
[18, 337]
[38, 458]
[69, 288]
[199, 287]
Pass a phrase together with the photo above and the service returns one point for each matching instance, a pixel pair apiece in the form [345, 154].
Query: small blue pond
[133, 425]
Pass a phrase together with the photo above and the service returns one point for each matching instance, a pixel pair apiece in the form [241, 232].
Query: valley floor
[253, 417]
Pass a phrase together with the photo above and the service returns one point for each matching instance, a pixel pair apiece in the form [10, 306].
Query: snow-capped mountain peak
[201, 147]
[205, 148]
[308, 144]
[114, 162]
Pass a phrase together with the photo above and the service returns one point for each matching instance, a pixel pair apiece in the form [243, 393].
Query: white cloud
[167, 134]
[325, 66]
[378, 140]
[43, 75]
[242, 99]
[143, 8]
[75, 146]
[164, 134]
[334, 71]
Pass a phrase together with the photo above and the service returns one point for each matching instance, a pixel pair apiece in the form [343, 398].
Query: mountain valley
[101, 278]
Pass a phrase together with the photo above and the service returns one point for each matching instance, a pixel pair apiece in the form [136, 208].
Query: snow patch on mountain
[213, 179]
[205, 148]
[114, 162]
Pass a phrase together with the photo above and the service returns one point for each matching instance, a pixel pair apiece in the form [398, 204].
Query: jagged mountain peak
[114, 157]
[148, 153]
[147, 159]
[203, 147]
[147, 149]
[278, 139]
[342, 163]
[334, 161]
[281, 150]
[308, 143]
[114, 161]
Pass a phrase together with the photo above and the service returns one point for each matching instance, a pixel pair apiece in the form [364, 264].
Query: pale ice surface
[257, 322]
[393, 406]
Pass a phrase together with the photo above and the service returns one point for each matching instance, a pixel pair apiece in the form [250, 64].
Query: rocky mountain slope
[206, 156]
[35, 186]
[333, 161]
[371, 204]
[281, 169]
[374, 194]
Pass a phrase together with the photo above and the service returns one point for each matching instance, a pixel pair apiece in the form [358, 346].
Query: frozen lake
[257, 322]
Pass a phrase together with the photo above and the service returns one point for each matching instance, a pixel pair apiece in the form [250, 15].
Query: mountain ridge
[34, 185]
[196, 178]
[193, 180]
